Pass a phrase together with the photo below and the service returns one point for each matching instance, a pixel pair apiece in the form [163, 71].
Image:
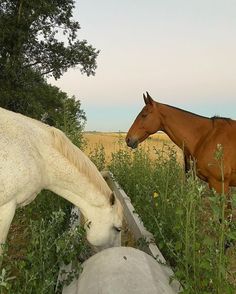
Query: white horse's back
[19, 126]
[20, 141]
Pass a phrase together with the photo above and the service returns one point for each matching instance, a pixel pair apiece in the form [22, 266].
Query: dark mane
[217, 117]
[213, 118]
[186, 111]
[220, 117]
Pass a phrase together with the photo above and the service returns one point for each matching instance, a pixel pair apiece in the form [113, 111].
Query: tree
[29, 37]
[71, 120]
[38, 38]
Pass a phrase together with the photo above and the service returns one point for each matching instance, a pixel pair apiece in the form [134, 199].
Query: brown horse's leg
[187, 165]
[218, 185]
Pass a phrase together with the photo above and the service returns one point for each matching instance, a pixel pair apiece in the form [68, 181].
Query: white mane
[76, 157]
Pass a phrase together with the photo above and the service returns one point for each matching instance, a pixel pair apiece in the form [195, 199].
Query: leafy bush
[41, 242]
[97, 156]
[50, 244]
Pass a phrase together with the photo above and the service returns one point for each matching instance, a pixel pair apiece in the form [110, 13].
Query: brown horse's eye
[143, 115]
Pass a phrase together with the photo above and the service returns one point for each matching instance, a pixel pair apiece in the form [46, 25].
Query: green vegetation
[98, 157]
[187, 220]
[39, 39]
[40, 243]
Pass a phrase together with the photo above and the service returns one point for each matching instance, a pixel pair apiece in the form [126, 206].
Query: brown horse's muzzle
[131, 142]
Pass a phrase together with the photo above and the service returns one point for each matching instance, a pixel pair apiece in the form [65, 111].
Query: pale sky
[183, 52]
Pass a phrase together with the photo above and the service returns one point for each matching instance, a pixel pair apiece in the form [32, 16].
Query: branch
[31, 64]
[47, 72]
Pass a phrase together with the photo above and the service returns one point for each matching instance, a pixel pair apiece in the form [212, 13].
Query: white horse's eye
[118, 229]
[88, 224]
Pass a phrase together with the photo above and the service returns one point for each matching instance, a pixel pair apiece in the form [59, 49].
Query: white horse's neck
[74, 177]
[35, 156]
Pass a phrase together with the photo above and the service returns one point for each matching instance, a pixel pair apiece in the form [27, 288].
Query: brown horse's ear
[145, 99]
[149, 99]
[112, 199]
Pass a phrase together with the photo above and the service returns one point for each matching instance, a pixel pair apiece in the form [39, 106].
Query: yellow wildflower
[155, 195]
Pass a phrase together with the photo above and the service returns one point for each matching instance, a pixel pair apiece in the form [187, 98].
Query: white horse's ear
[112, 199]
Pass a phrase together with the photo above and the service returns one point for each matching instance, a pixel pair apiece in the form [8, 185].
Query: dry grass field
[113, 141]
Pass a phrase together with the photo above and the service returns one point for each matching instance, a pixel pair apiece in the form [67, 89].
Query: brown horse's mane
[217, 117]
[213, 118]
[221, 117]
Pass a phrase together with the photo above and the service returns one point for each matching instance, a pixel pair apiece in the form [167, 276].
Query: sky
[182, 52]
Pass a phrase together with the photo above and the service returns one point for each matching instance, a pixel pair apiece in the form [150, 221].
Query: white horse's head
[104, 225]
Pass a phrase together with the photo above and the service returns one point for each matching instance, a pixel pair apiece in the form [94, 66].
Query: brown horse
[196, 135]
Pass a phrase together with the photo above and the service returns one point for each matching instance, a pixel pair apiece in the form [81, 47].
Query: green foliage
[48, 104]
[71, 120]
[33, 97]
[97, 156]
[38, 38]
[186, 219]
[30, 33]
[51, 244]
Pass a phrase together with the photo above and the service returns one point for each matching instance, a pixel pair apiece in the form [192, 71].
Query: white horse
[35, 156]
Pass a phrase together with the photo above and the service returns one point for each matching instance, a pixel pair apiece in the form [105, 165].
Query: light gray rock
[121, 270]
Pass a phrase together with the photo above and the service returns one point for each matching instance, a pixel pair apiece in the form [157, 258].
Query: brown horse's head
[146, 123]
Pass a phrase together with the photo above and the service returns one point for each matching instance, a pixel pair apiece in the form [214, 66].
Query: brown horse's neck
[184, 128]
